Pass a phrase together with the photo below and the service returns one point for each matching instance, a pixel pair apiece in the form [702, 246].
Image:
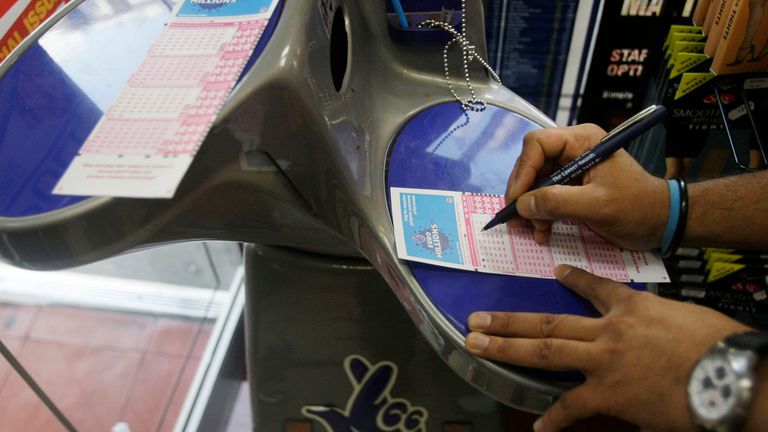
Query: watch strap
[754, 341]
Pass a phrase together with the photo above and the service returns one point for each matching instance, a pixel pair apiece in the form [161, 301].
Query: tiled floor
[99, 367]
[102, 368]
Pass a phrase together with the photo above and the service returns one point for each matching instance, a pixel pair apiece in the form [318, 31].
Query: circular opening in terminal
[339, 49]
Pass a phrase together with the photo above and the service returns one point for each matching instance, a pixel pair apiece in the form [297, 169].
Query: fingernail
[562, 271]
[533, 205]
[526, 205]
[537, 425]
[479, 321]
[477, 341]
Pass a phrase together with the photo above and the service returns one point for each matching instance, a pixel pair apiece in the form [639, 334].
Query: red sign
[31, 17]
[5, 5]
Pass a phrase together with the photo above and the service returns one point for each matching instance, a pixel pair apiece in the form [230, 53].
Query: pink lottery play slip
[147, 139]
[445, 228]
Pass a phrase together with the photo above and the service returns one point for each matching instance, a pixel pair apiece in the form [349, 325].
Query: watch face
[713, 388]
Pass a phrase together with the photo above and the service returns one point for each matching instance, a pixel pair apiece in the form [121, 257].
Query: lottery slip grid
[147, 139]
[505, 250]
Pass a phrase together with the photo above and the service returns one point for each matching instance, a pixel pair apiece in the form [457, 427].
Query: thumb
[559, 202]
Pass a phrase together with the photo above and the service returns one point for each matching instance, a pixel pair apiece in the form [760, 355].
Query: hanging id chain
[468, 54]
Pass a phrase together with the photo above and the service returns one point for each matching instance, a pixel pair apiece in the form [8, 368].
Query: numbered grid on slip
[240, 44]
[246, 36]
[162, 71]
[178, 147]
[208, 102]
[152, 103]
[192, 40]
[188, 137]
[223, 73]
[606, 259]
[117, 137]
[494, 248]
[531, 257]
[482, 203]
[566, 244]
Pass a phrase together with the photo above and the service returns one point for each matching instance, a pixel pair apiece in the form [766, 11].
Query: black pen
[619, 137]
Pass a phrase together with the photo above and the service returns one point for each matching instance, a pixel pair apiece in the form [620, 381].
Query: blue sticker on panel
[222, 8]
[432, 230]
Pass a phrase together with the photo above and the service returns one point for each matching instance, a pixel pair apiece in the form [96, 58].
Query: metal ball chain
[468, 54]
[450, 132]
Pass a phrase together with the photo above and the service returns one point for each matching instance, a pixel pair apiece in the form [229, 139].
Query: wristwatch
[722, 382]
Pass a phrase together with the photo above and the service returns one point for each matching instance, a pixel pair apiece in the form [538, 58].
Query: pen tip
[488, 226]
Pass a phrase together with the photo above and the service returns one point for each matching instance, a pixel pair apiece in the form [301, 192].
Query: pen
[619, 137]
[398, 7]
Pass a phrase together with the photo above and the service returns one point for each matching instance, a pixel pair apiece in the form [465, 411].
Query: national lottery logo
[371, 406]
[433, 240]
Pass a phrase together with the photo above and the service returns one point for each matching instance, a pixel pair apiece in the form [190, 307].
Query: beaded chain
[468, 54]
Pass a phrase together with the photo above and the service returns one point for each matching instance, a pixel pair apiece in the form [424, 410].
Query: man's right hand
[617, 198]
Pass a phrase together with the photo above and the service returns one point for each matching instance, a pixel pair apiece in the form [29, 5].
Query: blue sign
[223, 8]
[434, 233]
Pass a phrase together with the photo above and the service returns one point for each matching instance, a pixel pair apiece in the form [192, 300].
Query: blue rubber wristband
[674, 215]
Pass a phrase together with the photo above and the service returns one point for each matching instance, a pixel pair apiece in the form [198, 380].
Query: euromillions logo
[432, 239]
[371, 407]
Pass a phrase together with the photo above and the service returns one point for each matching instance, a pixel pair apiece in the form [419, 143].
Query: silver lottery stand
[339, 330]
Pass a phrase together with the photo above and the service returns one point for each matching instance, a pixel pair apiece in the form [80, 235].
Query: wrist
[677, 219]
[694, 236]
[724, 391]
[661, 215]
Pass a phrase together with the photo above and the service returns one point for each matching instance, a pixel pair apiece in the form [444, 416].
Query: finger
[518, 223]
[381, 377]
[562, 202]
[542, 236]
[571, 406]
[552, 354]
[531, 165]
[563, 144]
[543, 146]
[602, 293]
[541, 224]
[535, 325]
[542, 230]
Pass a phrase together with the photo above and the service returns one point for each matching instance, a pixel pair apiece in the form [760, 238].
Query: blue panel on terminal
[53, 96]
[442, 147]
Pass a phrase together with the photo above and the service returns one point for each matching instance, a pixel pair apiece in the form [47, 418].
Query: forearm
[729, 212]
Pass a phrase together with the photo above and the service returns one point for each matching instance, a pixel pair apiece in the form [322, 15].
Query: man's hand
[618, 199]
[636, 357]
